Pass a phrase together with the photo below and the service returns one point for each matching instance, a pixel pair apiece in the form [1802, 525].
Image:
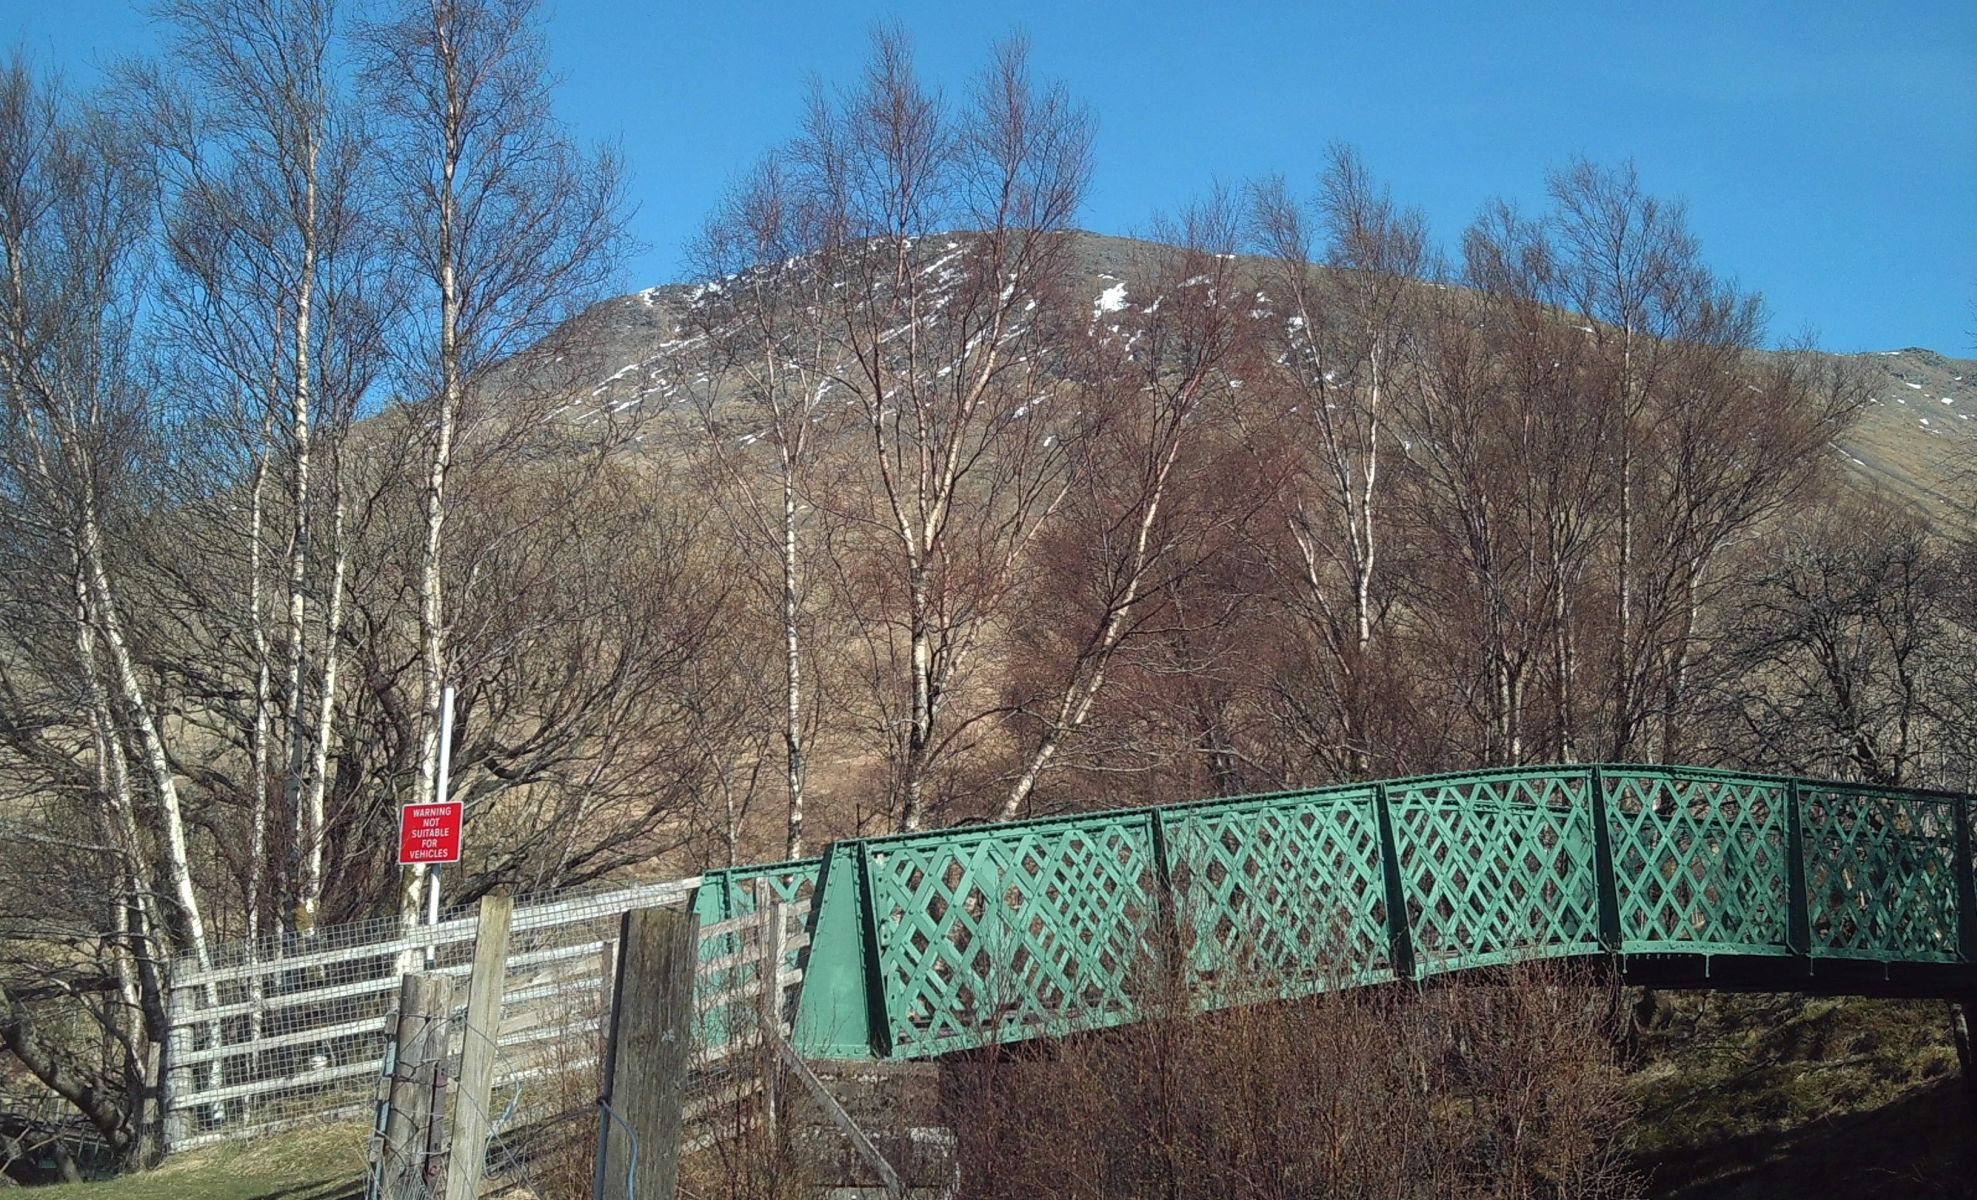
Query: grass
[315, 1164]
[1769, 1097]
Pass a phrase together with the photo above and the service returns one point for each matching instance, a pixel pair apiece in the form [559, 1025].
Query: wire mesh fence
[277, 1036]
[542, 1115]
[280, 1033]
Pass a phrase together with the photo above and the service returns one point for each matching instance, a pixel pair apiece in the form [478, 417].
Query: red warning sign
[429, 833]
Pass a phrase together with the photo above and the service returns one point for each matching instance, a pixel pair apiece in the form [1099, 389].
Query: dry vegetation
[295, 432]
[1499, 1085]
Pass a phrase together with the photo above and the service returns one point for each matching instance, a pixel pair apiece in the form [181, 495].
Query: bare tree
[1634, 277]
[272, 323]
[1707, 442]
[766, 420]
[509, 223]
[1844, 654]
[942, 345]
[1555, 473]
[74, 219]
[1341, 338]
[1147, 386]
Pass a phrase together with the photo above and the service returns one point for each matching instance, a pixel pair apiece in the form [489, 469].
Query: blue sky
[1828, 151]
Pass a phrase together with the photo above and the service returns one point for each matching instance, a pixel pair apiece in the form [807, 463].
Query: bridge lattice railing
[960, 937]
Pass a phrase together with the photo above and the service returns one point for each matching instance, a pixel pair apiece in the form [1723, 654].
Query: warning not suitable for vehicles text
[429, 833]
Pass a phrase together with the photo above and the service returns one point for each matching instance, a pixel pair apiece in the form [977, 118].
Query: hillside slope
[1915, 436]
[1911, 440]
[1773, 1097]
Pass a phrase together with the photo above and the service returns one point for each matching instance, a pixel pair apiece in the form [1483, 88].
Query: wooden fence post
[173, 1080]
[772, 934]
[468, 1155]
[425, 1004]
[651, 1042]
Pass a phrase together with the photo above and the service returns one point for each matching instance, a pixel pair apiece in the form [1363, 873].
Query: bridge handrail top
[882, 842]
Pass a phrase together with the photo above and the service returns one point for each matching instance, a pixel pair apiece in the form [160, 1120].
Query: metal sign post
[429, 834]
[441, 793]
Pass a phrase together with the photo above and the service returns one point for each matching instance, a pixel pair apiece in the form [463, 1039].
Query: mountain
[1918, 431]
[1911, 439]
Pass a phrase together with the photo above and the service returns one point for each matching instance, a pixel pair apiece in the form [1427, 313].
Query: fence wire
[544, 1113]
[282, 1034]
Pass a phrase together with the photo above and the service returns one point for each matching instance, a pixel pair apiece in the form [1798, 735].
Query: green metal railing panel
[1006, 932]
[736, 892]
[839, 1010]
[1881, 874]
[959, 938]
[1700, 860]
[1286, 890]
[1496, 867]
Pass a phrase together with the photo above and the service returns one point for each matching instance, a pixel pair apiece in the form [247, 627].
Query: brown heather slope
[1911, 441]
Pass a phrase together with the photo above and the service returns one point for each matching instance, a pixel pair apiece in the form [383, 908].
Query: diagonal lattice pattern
[1008, 932]
[1284, 892]
[1700, 859]
[1495, 867]
[1880, 874]
[959, 938]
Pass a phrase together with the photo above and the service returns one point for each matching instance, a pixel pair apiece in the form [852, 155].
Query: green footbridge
[929, 943]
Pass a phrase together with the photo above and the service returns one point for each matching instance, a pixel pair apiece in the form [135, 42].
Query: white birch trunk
[151, 741]
[305, 832]
[1080, 694]
[257, 735]
[792, 666]
[309, 895]
[432, 614]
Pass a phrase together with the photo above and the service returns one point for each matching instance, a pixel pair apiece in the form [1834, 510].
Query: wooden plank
[770, 1018]
[382, 983]
[471, 1119]
[734, 924]
[408, 1168]
[446, 933]
[342, 991]
[728, 962]
[322, 1033]
[652, 1016]
[189, 1099]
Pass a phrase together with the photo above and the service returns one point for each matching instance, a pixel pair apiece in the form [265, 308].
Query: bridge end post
[1173, 942]
[1606, 883]
[1966, 887]
[1400, 937]
[1798, 933]
[839, 1013]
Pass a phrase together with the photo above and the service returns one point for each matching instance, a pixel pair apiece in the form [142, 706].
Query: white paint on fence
[308, 1043]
